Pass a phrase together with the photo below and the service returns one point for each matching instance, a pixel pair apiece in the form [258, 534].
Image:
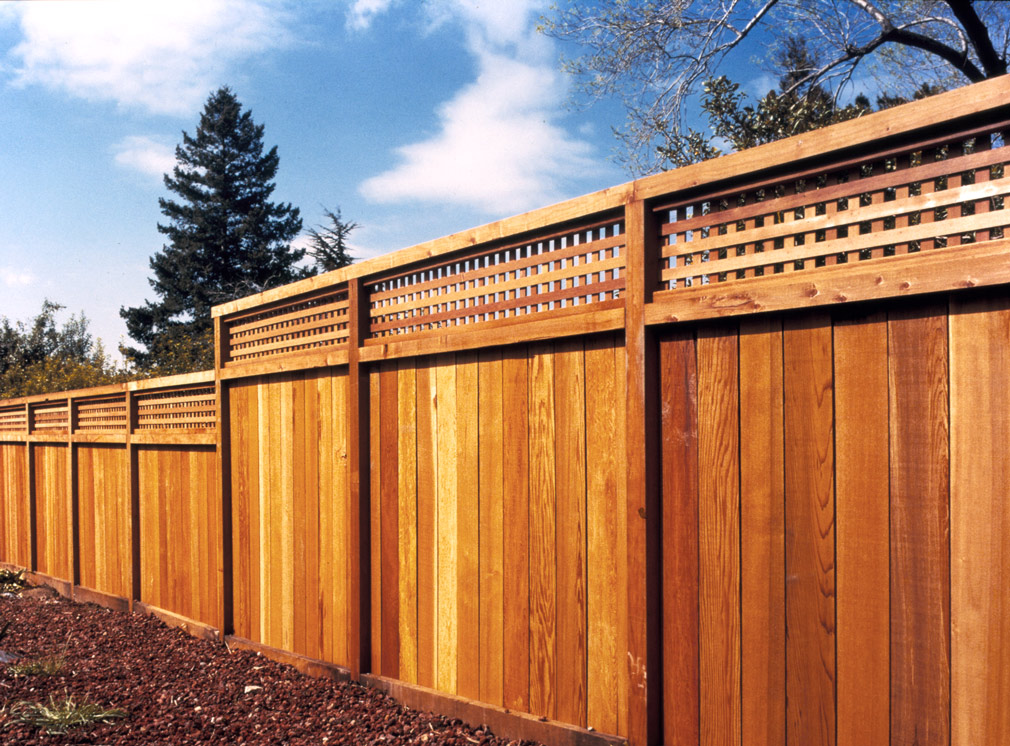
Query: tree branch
[991, 61]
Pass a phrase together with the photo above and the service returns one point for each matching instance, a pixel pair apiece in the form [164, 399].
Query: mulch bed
[181, 690]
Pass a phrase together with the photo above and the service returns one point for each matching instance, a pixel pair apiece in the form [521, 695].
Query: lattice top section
[306, 324]
[14, 419]
[107, 414]
[939, 194]
[189, 408]
[51, 417]
[576, 267]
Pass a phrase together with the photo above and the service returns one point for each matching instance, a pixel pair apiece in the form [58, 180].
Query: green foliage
[49, 665]
[660, 58]
[328, 244]
[41, 356]
[226, 239]
[791, 110]
[11, 582]
[60, 715]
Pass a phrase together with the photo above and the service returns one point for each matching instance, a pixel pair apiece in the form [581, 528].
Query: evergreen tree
[226, 239]
[328, 244]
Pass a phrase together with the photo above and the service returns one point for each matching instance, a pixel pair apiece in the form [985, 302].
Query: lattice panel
[50, 417]
[102, 415]
[13, 420]
[305, 324]
[190, 408]
[942, 194]
[566, 269]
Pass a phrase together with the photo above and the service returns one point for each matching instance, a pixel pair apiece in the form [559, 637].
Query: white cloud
[161, 56]
[361, 13]
[16, 277]
[145, 155]
[500, 147]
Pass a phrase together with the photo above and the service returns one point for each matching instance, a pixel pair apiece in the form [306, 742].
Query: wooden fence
[715, 456]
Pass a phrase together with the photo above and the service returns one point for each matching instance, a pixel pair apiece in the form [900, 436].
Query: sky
[415, 118]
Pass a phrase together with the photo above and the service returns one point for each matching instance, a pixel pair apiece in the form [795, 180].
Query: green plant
[60, 715]
[12, 582]
[50, 665]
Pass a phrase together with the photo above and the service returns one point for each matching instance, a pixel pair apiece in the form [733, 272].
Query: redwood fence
[715, 456]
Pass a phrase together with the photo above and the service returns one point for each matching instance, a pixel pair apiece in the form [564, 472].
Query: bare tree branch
[992, 63]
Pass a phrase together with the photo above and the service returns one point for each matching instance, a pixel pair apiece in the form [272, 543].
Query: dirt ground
[177, 689]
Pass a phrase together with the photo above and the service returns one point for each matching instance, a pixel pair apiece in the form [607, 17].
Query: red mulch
[181, 690]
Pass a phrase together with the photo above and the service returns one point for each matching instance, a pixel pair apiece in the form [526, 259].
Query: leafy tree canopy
[42, 356]
[657, 56]
[226, 239]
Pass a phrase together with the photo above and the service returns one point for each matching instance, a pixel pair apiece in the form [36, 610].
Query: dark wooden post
[645, 716]
[359, 623]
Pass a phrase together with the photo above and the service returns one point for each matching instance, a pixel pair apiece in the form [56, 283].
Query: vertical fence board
[16, 512]
[447, 524]
[427, 530]
[606, 582]
[762, 533]
[810, 534]
[570, 479]
[375, 489]
[681, 675]
[490, 414]
[719, 535]
[104, 519]
[313, 437]
[980, 522]
[468, 661]
[299, 579]
[920, 548]
[407, 519]
[862, 497]
[388, 558]
[516, 586]
[543, 548]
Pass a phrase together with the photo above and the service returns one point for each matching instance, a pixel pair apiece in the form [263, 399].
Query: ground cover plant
[88, 675]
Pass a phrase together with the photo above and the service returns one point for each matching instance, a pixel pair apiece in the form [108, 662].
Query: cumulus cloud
[145, 155]
[497, 151]
[160, 56]
[500, 146]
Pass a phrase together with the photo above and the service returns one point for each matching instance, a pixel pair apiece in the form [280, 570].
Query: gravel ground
[178, 689]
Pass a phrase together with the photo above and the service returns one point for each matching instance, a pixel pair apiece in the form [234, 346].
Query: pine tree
[328, 244]
[226, 239]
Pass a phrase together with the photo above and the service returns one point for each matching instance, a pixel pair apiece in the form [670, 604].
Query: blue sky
[417, 119]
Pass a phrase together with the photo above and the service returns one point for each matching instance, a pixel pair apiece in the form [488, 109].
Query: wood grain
[719, 536]
[762, 533]
[104, 519]
[516, 585]
[447, 524]
[389, 559]
[468, 661]
[490, 416]
[920, 544]
[406, 398]
[570, 529]
[542, 546]
[979, 521]
[810, 534]
[427, 513]
[680, 468]
[862, 497]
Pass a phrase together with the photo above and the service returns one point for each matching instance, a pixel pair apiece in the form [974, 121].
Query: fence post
[133, 479]
[30, 487]
[645, 716]
[223, 432]
[359, 623]
[72, 496]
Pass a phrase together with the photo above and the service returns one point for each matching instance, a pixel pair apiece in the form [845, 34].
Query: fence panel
[498, 481]
[289, 512]
[16, 529]
[104, 512]
[54, 548]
